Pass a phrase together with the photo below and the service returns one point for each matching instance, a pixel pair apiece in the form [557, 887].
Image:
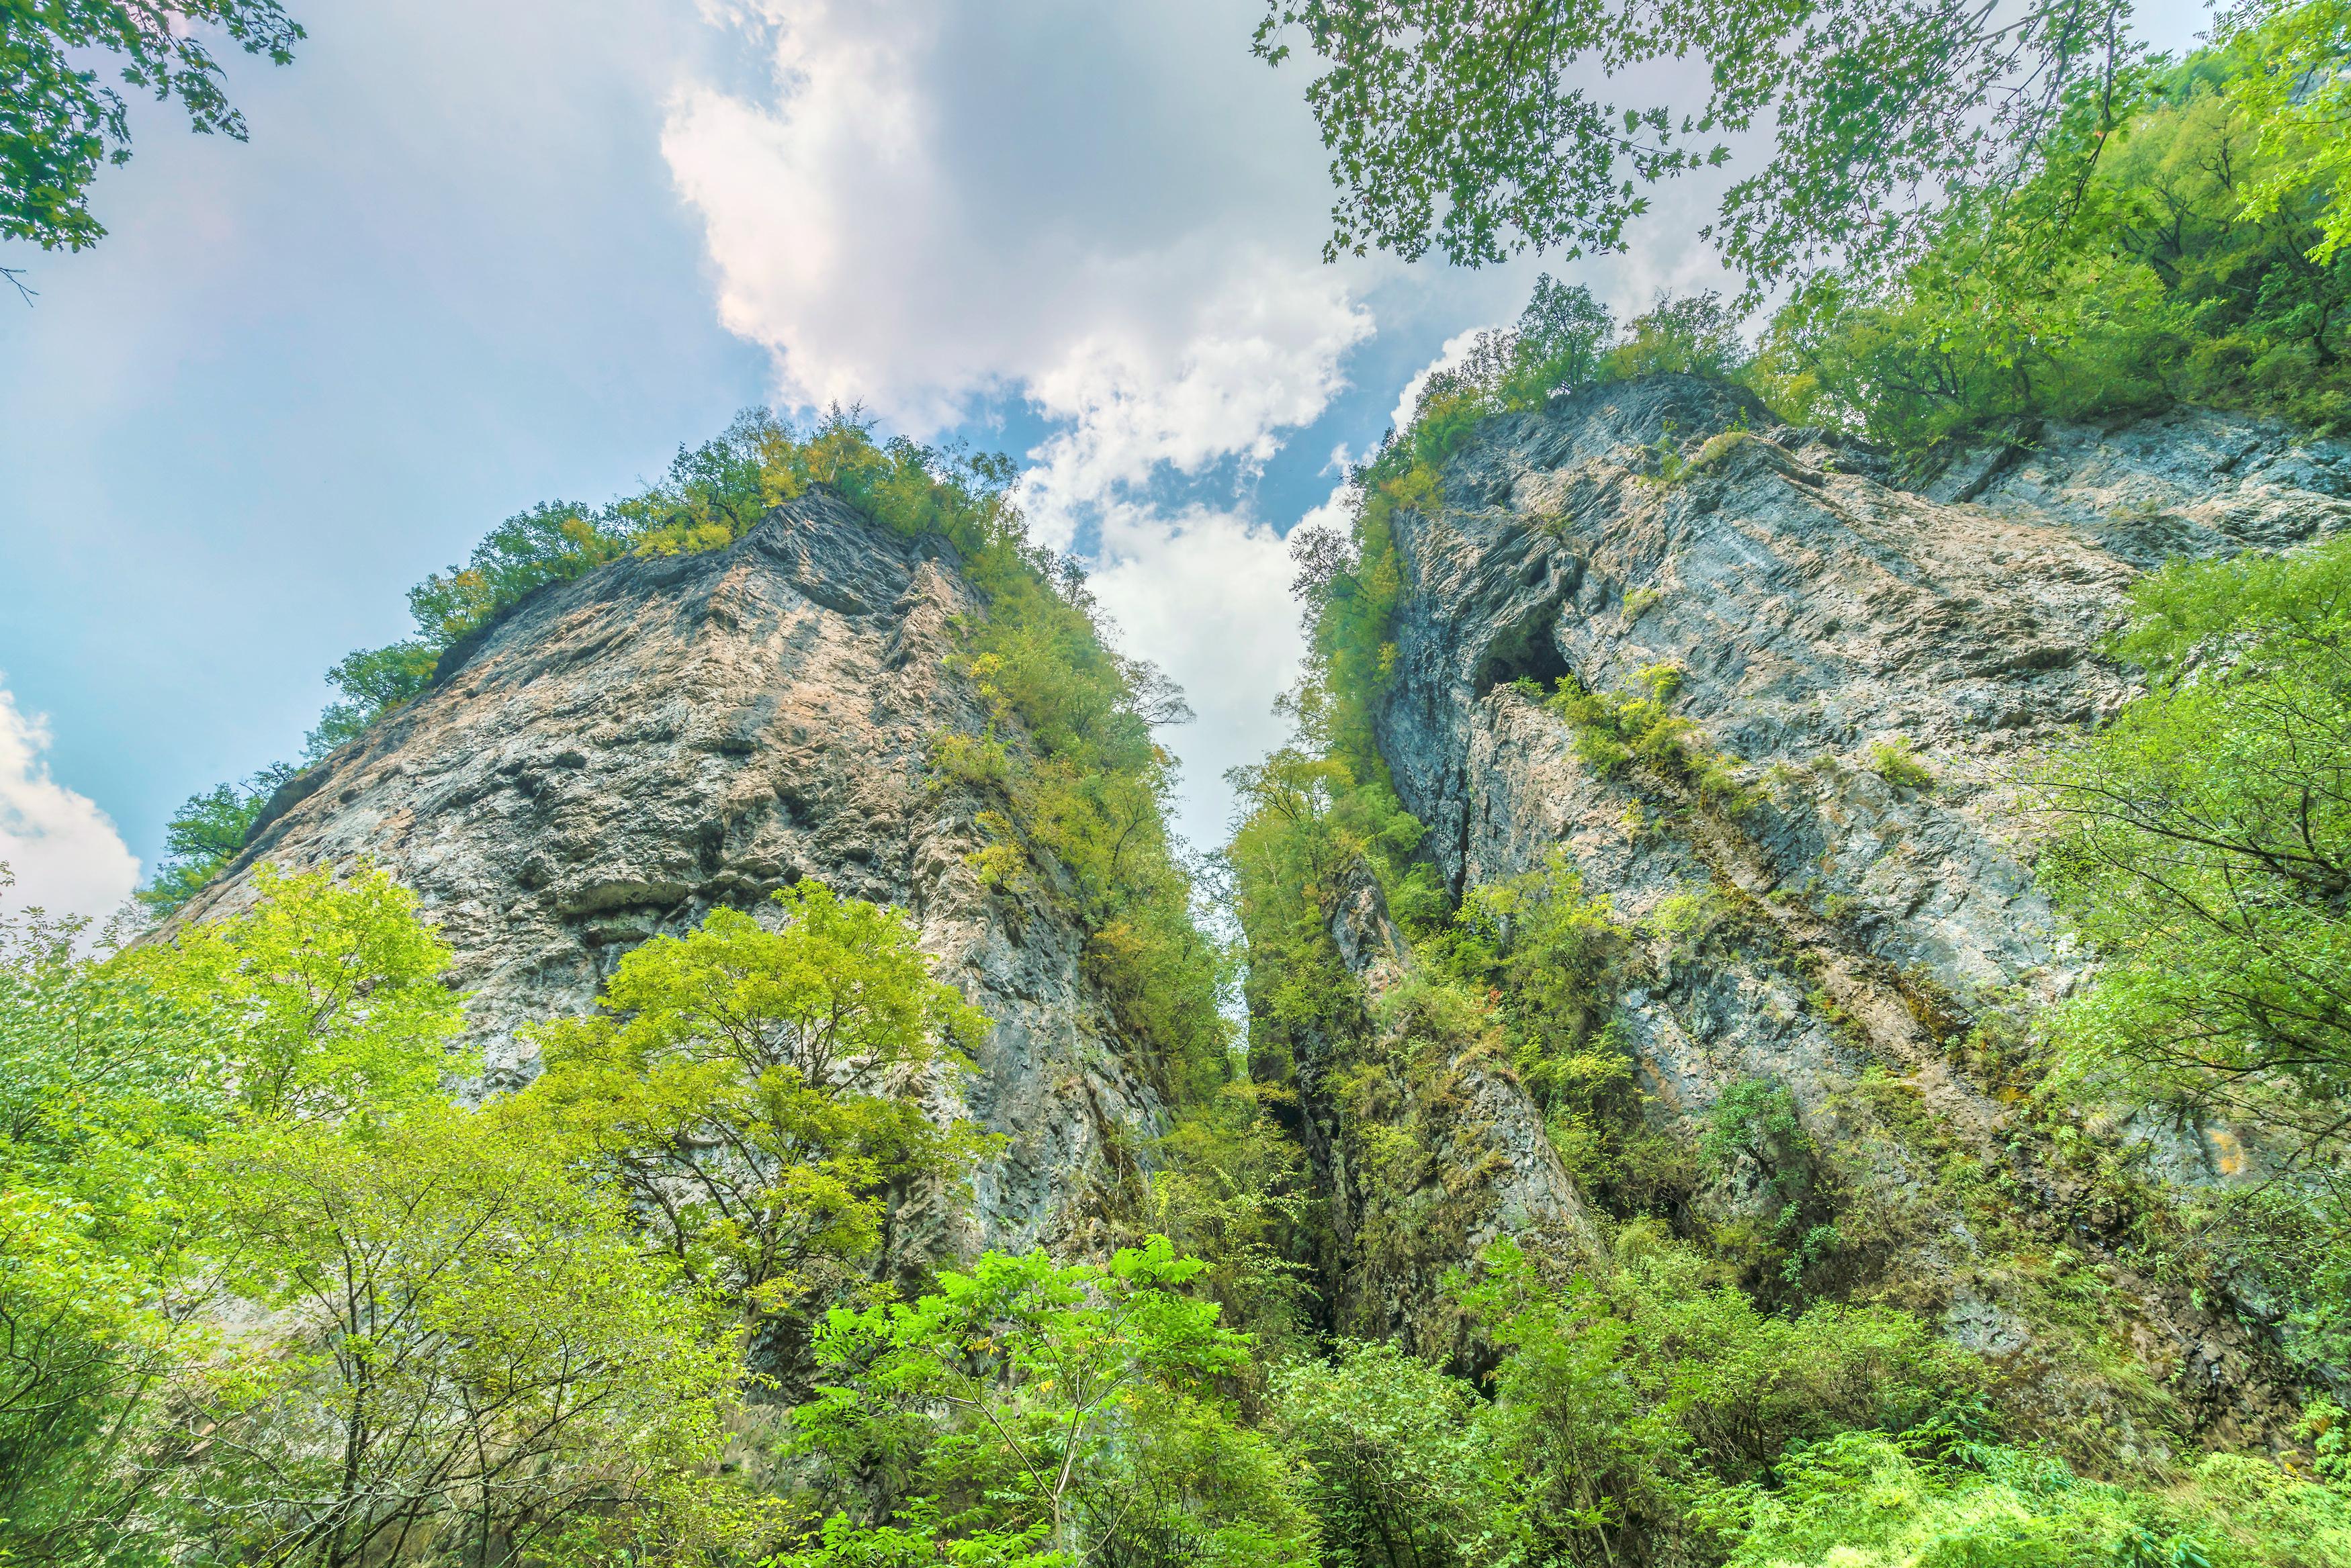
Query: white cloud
[903, 220]
[65, 855]
[1457, 350]
[1206, 597]
[823, 213]
[1259, 356]
[1110, 214]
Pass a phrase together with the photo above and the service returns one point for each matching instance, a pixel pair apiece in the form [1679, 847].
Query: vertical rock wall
[1854, 928]
[621, 753]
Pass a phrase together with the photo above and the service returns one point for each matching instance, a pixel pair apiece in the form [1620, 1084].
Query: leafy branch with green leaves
[59, 125]
[1476, 129]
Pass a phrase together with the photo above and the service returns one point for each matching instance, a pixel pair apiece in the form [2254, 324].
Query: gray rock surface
[621, 753]
[1846, 929]
[2193, 481]
[1490, 1169]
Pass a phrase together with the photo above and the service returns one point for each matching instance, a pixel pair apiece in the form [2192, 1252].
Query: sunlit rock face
[1844, 929]
[621, 753]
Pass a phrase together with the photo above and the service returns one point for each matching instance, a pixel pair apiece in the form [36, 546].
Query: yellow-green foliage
[1613, 732]
[446, 1338]
[1864, 1500]
[1351, 588]
[331, 989]
[1620, 1405]
[471, 1337]
[2298, 103]
[1641, 1413]
[1235, 1196]
[1716, 449]
[1030, 1414]
[1549, 956]
[1895, 761]
[756, 1095]
[1085, 804]
[2203, 849]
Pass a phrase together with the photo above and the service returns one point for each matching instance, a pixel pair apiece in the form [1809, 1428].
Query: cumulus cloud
[65, 853]
[1260, 355]
[922, 206]
[896, 236]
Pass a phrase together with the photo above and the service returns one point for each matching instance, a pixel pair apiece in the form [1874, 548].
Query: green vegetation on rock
[1069, 751]
[1457, 1263]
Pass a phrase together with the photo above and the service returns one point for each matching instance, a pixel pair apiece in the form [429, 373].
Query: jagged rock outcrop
[1850, 928]
[620, 753]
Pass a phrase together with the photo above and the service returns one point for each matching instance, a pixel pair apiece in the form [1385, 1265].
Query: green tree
[1079, 1419]
[1694, 335]
[466, 1352]
[1628, 1399]
[1552, 954]
[204, 835]
[2203, 847]
[2299, 101]
[327, 993]
[100, 1081]
[1399, 1473]
[320, 1004]
[1591, 1455]
[1557, 345]
[373, 681]
[757, 1095]
[1472, 126]
[58, 125]
[554, 540]
[2141, 266]
[1863, 1500]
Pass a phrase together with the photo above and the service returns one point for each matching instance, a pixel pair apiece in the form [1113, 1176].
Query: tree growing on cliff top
[204, 835]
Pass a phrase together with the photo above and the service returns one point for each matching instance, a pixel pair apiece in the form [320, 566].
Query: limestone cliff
[621, 753]
[1868, 933]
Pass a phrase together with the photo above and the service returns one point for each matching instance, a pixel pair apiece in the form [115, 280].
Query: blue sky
[478, 254]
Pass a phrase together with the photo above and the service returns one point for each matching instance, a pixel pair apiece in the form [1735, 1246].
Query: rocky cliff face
[622, 753]
[1858, 935]
[1489, 1167]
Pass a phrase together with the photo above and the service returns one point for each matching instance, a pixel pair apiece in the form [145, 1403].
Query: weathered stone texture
[1815, 610]
[623, 753]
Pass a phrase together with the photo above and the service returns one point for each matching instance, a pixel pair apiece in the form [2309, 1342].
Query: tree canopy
[61, 124]
[1479, 128]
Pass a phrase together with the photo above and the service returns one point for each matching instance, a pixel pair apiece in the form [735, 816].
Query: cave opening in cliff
[1527, 650]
